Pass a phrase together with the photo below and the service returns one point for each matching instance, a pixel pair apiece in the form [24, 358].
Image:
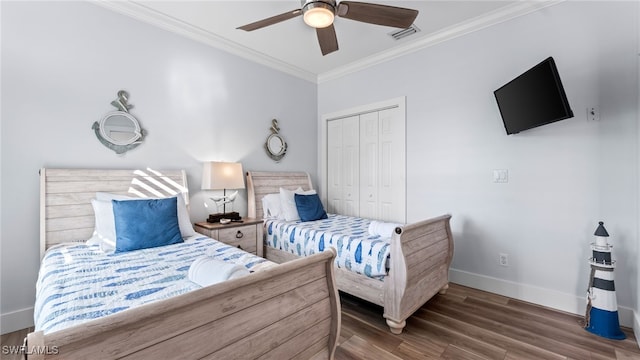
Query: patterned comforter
[78, 282]
[358, 250]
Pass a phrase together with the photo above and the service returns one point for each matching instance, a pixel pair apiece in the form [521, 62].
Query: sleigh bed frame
[421, 254]
[289, 311]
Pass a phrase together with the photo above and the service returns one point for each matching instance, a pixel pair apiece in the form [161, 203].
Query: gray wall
[62, 65]
[563, 177]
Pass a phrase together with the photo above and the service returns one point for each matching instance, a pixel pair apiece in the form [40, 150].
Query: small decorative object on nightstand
[246, 234]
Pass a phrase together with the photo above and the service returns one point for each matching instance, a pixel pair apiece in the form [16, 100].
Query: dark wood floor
[464, 324]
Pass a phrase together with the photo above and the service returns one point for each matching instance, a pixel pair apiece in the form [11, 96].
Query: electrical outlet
[503, 259]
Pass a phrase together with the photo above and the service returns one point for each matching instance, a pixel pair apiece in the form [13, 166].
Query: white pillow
[105, 230]
[271, 208]
[288, 202]
[184, 222]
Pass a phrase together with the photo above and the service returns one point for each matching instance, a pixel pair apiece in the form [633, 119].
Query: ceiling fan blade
[327, 39]
[270, 21]
[377, 14]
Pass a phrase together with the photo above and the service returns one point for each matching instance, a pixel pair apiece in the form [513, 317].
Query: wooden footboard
[290, 311]
[421, 254]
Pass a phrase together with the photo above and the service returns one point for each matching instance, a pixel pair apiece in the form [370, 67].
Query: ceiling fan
[320, 14]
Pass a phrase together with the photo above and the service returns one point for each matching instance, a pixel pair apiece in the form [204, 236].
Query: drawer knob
[239, 234]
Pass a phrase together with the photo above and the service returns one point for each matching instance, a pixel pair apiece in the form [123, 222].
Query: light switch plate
[500, 176]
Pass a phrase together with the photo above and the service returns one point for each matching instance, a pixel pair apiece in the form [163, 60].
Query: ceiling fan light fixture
[318, 14]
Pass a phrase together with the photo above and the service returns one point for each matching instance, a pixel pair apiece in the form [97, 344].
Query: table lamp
[222, 176]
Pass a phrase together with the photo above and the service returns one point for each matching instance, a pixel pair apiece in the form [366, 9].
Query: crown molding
[153, 17]
[148, 15]
[498, 16]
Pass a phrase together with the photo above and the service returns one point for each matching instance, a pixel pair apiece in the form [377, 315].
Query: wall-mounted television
[533, 99]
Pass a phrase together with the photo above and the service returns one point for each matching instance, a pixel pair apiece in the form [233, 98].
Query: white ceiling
[292, 46]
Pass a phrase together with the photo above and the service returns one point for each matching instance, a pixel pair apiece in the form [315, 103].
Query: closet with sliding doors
[366, 162]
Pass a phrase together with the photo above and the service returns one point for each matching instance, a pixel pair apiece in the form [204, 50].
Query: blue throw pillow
[148, 223]
[309, 207]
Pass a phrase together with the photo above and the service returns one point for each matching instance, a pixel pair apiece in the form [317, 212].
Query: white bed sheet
[78, 282]
[358, 251]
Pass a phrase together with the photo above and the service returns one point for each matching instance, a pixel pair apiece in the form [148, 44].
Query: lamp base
[215, 218]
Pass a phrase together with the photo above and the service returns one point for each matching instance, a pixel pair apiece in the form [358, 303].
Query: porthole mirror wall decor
[275, 145]
[119, 130]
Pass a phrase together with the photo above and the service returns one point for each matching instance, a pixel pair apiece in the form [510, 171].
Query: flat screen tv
[533, 99]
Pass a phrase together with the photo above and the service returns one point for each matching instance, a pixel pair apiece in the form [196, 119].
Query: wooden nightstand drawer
[244, 237]
[246, 234]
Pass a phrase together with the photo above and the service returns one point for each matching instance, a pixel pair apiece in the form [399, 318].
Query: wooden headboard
[261, 183]
[66, 214]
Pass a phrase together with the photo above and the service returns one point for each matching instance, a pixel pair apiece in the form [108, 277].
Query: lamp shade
[222, 175]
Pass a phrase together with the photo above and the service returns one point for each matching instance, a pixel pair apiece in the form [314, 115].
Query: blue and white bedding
[358, 251]
[78, 282]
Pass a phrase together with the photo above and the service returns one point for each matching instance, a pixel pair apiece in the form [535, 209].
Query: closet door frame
[399, 103]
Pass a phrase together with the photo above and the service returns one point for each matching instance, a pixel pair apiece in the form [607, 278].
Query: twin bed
[279, 311]
[287, 308]
[419, 254]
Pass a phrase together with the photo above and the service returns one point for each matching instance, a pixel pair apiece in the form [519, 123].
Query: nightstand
[246, 235]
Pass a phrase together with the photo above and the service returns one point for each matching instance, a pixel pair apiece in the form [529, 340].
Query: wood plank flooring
[470, 324]
[463, 324]
[13, 339]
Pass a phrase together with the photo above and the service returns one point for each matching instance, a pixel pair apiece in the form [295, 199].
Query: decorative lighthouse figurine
[602, 306]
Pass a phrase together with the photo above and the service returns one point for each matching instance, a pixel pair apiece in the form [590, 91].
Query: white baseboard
[533, 294]
[16, 320]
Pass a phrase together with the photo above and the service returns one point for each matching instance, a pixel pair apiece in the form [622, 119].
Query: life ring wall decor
[119, 130]
[275, 145]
